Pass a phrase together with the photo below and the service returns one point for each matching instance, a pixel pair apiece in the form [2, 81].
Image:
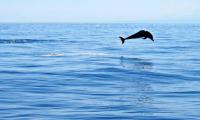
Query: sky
[99, 10]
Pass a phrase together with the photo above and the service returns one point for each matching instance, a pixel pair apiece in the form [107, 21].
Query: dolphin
[141, 34]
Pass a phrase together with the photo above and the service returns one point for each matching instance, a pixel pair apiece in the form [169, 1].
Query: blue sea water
[83, 72]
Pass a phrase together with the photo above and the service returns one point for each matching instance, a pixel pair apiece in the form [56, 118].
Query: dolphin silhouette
[141, 34]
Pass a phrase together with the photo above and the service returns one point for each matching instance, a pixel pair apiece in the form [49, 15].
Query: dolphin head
[149, 35]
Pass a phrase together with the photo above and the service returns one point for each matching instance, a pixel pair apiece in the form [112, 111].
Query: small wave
[91, 54]
[20, 41]
[88, 54]
[54, 55]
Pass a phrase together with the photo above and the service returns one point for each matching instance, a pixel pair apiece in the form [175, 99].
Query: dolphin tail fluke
[122, 39]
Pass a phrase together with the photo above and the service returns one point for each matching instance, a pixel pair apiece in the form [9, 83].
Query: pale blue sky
[98, 10]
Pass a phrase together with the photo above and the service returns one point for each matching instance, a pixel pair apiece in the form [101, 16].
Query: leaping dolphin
[141, 34]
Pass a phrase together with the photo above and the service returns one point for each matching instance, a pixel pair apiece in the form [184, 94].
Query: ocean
[81, 71]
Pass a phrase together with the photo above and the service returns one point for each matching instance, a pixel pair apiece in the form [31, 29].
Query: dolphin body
[141, 34]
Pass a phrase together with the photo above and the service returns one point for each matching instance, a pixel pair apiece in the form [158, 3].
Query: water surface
[81, 71]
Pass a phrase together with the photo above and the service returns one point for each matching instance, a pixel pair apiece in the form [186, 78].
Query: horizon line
[128, 21]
